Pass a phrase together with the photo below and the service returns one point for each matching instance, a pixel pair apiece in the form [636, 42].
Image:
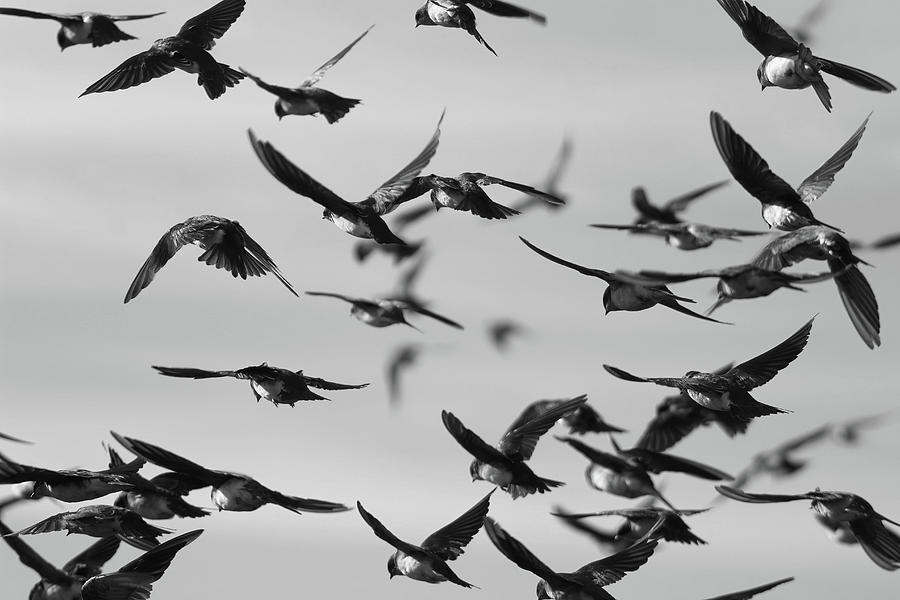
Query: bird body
[456, 14]
[97, 29]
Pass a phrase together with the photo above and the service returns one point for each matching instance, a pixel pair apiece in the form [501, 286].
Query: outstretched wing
[759, 29]
[472, 443]
[821, 179]
[522, 436]
[505, 9]
[171, 242]
[680, 203]
[21, 12]
[515, 551]
[520, 187]
[385, 534]
[604, 275]
[742, 496]
[760, 369]
[448, 541]
[169, 460]
[212, 23]
[32, 559]
[138, 69]
[747, 594]
[613, 568]
[316, 75]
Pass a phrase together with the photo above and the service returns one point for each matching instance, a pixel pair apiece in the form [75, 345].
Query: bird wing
[520, 439]
[169, 460]
[657, 462]
[118, 586]
[521, 187]
[672, 382]
[472, 443]
[316, 75]
[295, 503]
[93, 557]
[385, 534]
[505, 9]
[859, 301]
[13, 472]
[680, 203]
[448, 541]
[515, 551]
[21, 12]
[140, 68]
[132, 17]
[775, 255]
[415, 306]
[649, 277]
[613, 568]
[12, 439]
[171, 242]
[359, 301]
[278, 90]
[742, 496]
[197, 373]
[604, 275]
[324, 384]
[212, 23]
[747, 594]
[32, 559]
[821, 179]
[879, 543]
[759, 29]
[604, 459]
[668, 426]
[760, 369]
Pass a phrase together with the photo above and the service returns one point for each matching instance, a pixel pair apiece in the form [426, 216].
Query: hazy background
[89, 185]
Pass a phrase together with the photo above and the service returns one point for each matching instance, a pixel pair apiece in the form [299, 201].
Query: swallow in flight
[456, 14]
[639, 521]
[685, 236]
[667, 213]
[73, 485]
[386, 311]
[96, 29]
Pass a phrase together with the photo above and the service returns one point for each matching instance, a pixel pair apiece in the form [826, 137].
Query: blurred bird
[306, 99]
[880, 543]
[802, 30]
[72, 485]
[639, 521]
[401, 359]
[230, 491]
[623, 294]
[386, 311]
[428, 562]
[360, 219]
[504, 464]
[627, 472]
[747, 594]
[883, 243]
[277, 385]
[581, 419]
[100, 520]
[550, 184]
[503, 331]
[850, 431]
[227, 246]
[821, 243]
[787, 63]
[609, 541]
[778, 461]
[455, 13]
[587, 582]
[187, 50]
[667, 214]
[783, 207]
[685, 236]
[730, 391]
[96, 29]
[363, 249]
[10, 438]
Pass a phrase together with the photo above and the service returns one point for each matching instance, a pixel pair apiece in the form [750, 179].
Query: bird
[100, 520]
[610, 541]
[685, 236]
[816, 242]
[230, 491]
[428, 561]
[277, 385]
[550, 184]
[668, 212]
[622, 294]
[789, 64]
[456, 14]
[749, 593]
[464, 193]
[885, 242]
[730, 391]
[779, 460]
[96, 29]
[307, 99]
[638, 521]
[880, 543]
[227, 246]
[587, 583]
[187, 50]
[782, 206]
[582, 419]
[361, 219]
[504, 464]
[627, 472]
[363, 249]
[502, 331]
[383, 312]
[401, 359]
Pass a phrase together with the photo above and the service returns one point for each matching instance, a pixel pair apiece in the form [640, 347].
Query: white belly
[499, 477]
[713, 401]
[412, 568]
[233, 495]
[613, 483]
[268, 390]
[451, 199]
[782, 72]
[355, 228]
[299, 107]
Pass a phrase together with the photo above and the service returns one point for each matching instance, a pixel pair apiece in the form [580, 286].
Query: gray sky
[89, 185]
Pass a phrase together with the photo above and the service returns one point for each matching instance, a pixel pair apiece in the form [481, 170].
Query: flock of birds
[721, 397]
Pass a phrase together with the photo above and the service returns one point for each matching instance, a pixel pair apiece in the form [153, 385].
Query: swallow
[821, 243]
[307, 99]
[668, 212]
[96, 29]
[586, 583]
[779, 461]
[230, 491]
[187, 50]
[428, 562]
[730, 391]
[880, 543]
[456, 14]
[227, 246]
[61, 583]
[361, 219]
[608, 540]
[850, 431]
[551, 182]
[504, 464]
[739, 282]
[783, 207]
[787, 63]
[627, 472]
[502, 331]
[639, 521]
[747, 594]
[385, 311]
[622, 294]
[277, 385]
[582, 419]
[685, 236]
[400, 360]
[100, 520]
[464, 192]
[10, 438]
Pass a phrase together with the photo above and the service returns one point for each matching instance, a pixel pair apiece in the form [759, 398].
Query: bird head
[279, 110]
[392, 567]
[761, 75]
[542, 593]
[328, 215]
[63, 41]
[473, 471]
[31, 489]
[608, 304]
[422, 16]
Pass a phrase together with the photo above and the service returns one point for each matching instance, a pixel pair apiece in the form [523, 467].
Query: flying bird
[428, 561]
[385, 311]
[502, 331]
[639, 521]
[587, 583]
[277, 385]
[582, 419]
[730, 391]
[749, 593]
[401, 359]
[550, 184]
[787, 63]
[230, 491]
[307, 99]
[96, 29]
[71, 485]
[783, 207]
[668, 212]
[456, 14]
[361, 219]
[880, 543]
[227, 246]
[504, 464]
[685, 236]
[187, 50]
[822, 243]
[622, 293]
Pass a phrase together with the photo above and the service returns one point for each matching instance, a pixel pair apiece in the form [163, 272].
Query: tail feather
[215, 83]
[336, 107]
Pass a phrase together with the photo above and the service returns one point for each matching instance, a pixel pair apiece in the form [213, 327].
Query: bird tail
[881, 544]
[333, 107]
[216, 81]
[745, 407]
[538, 486]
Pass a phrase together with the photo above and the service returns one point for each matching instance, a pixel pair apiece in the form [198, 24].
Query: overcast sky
[90, 184]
